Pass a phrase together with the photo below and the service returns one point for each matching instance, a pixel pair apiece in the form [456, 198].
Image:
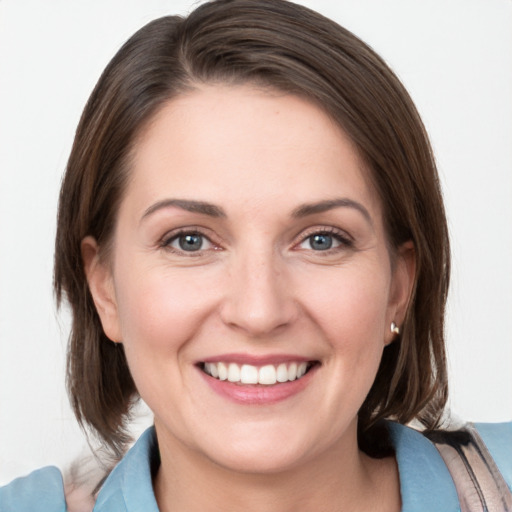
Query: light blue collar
[129, 487]
[425, 483]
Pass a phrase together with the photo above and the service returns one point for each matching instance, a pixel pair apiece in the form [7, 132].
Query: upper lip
[256, 360]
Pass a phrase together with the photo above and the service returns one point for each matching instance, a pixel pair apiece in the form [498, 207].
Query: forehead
[247, 146]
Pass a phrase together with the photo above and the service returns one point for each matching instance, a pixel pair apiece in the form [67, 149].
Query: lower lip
[258, 394]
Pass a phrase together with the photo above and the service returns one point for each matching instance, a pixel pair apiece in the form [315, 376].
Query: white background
[454, 56]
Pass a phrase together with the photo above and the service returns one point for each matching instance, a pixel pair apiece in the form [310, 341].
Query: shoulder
[498, 440]
[41, 491]
[425, 482]
[434, 467]
[129, 487]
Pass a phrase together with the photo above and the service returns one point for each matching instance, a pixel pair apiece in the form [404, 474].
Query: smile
[266, 375]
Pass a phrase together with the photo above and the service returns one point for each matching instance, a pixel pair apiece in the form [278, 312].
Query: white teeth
[301, 370]
[214, 371]
[222, 370]
[267, 375]
[292, 371]
[282, 373]
[234, 372]
[248, 374]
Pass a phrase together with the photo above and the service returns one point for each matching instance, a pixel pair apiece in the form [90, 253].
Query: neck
[342, 479]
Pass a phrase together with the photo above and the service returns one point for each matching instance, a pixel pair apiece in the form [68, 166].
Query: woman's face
[250, 249]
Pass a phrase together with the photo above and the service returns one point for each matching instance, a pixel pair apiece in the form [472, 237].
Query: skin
[258, 287]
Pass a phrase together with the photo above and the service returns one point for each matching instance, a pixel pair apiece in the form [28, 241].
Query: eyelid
[330, 230]
[170, 236]
[345, 239]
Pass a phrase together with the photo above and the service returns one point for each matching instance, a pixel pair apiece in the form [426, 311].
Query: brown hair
[293, 49]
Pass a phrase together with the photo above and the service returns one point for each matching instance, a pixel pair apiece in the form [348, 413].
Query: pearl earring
[394, 328]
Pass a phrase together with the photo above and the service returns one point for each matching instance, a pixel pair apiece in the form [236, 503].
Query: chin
[259, 461]
[263, 450]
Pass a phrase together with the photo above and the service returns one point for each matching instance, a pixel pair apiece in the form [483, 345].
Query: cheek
[350, 305]
[160, 310]
[160, 313]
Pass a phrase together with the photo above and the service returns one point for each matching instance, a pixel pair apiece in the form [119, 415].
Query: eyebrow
[188, 205]
[301, 211]
[330, 204]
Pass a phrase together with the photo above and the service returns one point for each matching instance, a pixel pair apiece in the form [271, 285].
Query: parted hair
[289, 48]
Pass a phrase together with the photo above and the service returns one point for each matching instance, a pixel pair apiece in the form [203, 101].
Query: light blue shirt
[425, 482]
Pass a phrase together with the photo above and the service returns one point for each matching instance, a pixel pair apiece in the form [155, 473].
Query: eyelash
[169, 238]
[344, 241]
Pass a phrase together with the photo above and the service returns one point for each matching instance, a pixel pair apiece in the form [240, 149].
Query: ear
[101, 286]
[402, 285]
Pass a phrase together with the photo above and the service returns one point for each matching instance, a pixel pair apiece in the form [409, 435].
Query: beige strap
[479, 483]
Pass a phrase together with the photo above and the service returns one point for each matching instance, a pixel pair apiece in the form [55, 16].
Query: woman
[252, 238]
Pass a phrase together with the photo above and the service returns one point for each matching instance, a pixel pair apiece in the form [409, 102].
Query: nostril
[258, 316]
[257, 298]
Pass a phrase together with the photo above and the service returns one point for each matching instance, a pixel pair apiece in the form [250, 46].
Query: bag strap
[479, 483]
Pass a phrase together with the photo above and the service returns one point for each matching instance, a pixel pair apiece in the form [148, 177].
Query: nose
[258, 298]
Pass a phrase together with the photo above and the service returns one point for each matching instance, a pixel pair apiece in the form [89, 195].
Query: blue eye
[321, 242]
[190, 242]
[325, 241]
